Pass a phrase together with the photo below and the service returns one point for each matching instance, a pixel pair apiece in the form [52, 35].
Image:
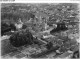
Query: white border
[41, 1]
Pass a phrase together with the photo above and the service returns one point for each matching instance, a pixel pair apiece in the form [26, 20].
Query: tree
[21, 38]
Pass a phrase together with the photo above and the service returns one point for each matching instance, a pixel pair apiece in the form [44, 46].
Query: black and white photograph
[40, 30]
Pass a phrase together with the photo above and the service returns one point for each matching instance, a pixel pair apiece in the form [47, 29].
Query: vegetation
[21, 38]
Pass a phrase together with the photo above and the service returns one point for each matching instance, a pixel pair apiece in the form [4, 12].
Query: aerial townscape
[40, 30]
